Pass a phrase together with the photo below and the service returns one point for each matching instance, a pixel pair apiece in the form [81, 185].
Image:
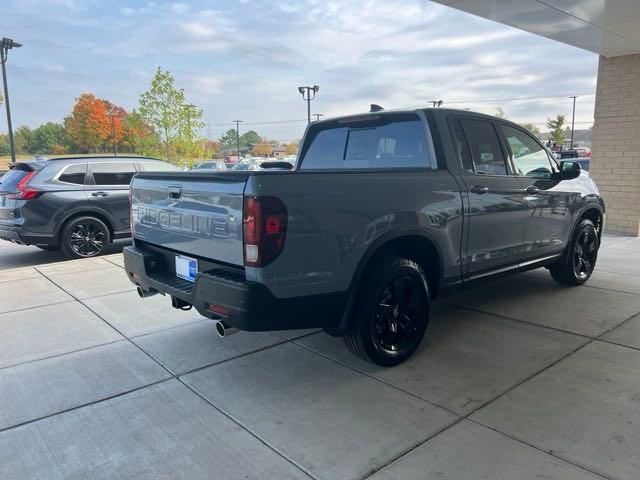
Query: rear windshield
[9, 181]
[384, 141]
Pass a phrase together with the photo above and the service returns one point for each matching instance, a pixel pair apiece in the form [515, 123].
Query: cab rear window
[368, 142]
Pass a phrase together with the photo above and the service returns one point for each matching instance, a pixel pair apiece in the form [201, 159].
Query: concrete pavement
[519, 379]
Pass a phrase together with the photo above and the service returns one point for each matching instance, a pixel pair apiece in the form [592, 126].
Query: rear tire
[391, 313]
[84, 237]
[577, 263]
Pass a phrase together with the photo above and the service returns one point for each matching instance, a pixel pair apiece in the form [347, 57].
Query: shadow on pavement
[18, 256]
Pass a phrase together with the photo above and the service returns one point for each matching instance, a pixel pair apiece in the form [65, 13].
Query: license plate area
[186, 268]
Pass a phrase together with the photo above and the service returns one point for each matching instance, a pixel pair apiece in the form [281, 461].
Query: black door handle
[479, 189]
[99, 194]
[532, 190]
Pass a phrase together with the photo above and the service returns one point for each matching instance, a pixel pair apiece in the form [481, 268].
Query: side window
[326, 149]
[384, 142]
[485, 148]
[529, 157]
[119, 173]
[73, 174]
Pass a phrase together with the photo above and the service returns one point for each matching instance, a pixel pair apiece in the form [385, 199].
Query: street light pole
[308, 94]
[318, 115]
[113, 132]
[238, 122]
[6, 45]
[573, 118]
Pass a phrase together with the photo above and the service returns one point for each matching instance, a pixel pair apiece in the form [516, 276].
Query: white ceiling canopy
[607, 27]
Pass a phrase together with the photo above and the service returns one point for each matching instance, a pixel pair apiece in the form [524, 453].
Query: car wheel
[84, 237]
[577, 264]
[391, 313]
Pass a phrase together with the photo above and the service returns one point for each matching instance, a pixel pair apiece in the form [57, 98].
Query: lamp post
[318, 115]
[6, 45]
[238, 122]
[112, 114]
[308, 94]
[573, 119]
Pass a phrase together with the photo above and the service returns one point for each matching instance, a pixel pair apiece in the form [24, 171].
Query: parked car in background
[583, 152]
[210, 165]
[383, 213]
[77, 204]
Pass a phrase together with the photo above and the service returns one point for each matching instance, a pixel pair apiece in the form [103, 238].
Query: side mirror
[569, 170]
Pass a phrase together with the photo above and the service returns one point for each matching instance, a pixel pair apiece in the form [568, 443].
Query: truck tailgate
[195, 214]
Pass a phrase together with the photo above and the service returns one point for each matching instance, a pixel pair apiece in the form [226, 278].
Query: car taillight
[23, 190]
[265, 229]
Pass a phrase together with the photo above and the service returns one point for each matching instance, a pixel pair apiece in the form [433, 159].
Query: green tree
[4, 145]
[23, 140]
[162, 107]
[531, 127]
[228, 139]
[250, 138]
[139, 137]
[556, 128]
[49, 138]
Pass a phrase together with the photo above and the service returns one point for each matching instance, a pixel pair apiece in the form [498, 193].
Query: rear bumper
[16, 234]
[250, 306]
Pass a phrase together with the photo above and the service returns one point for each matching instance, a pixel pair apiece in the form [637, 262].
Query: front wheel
[84, 237]
[577, 264]
[391, 313]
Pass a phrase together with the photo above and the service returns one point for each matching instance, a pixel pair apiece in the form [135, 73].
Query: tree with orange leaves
[90, 125]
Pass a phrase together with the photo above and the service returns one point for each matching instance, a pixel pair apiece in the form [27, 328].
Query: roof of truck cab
[435, 110]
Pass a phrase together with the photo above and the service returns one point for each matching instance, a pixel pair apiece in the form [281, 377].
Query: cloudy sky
[245, 58]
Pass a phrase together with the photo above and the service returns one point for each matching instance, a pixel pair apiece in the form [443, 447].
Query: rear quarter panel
[336, 216]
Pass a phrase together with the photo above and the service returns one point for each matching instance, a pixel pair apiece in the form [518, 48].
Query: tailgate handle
[175, 192]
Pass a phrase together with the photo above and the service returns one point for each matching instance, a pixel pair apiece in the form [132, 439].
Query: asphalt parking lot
[518, 379]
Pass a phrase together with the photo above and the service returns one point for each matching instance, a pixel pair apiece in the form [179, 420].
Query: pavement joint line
[37, 306]
[619, 273]
[535, 447]
[514, 319]
[248, 430]
[89, 404]
[174, 376]
[611, 290]
[36, 360]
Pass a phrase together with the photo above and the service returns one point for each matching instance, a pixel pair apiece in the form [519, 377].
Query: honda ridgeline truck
[383, 212]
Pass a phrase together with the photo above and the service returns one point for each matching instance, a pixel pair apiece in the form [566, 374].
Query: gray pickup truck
[383, 212]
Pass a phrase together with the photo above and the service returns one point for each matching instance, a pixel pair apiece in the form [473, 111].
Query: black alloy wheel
[577, 263]
[391, 313]
[85, 237]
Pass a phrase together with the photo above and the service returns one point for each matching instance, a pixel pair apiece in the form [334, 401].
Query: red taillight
[23, 190]
[264, 228]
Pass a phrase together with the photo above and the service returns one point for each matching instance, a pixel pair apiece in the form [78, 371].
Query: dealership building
[610, 28]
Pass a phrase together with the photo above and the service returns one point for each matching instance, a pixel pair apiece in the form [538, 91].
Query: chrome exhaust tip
[224, 330]
[144, 294]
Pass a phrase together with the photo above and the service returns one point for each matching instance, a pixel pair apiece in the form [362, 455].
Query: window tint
[326, 149]
[112, 173]
[379, 143]
[485, 147]
[73, 174]
[529, 157]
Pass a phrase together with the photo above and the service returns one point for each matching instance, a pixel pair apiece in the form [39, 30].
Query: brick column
[615, 164]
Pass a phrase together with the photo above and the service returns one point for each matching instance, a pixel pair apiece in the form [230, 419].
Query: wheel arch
[415, 244]
[86, 212]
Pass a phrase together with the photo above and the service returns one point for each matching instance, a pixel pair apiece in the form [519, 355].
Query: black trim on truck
[251, 306]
